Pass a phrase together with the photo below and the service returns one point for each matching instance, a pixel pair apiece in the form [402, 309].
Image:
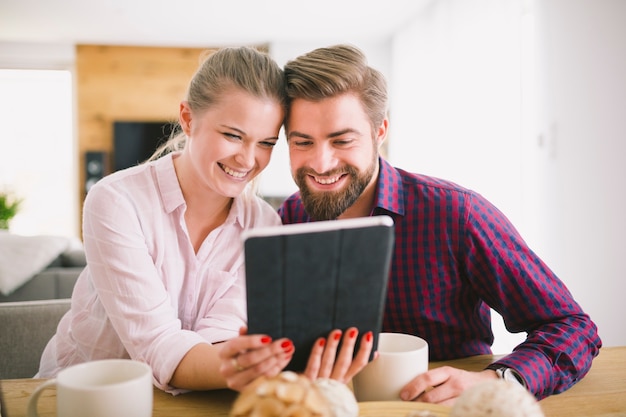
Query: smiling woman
[37, 160]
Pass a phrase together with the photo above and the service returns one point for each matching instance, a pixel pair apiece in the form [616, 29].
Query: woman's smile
[232, 172]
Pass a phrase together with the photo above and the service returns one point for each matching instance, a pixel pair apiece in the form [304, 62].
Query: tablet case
[304, 280]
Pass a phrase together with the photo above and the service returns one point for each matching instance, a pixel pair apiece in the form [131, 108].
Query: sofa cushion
[21, 257]
[49, 284]
[26, 329]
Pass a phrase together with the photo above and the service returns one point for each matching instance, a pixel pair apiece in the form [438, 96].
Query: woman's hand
[324, 362]
[247, 357]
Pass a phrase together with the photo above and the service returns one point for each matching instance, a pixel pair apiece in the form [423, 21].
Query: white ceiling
[201, 23]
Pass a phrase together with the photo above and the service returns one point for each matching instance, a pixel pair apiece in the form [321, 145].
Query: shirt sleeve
[227, 314]
[128, 285]
[561, 339]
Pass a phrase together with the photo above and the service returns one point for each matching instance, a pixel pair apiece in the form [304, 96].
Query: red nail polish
[352, 333]
[266, 339]
[321, 342]
[337, 335]
[288, 350]
[368, 336]
[286, 345]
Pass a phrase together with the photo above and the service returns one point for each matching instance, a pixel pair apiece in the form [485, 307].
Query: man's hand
[443, 385]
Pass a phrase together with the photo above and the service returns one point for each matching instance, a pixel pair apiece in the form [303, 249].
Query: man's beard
[329, 205]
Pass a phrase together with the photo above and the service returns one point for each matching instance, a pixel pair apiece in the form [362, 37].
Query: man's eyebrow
[341, 132]
[297, 134]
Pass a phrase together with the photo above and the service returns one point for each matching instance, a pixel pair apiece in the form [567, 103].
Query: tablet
[304, 280]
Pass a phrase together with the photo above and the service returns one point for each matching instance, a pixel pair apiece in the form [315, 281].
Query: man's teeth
[234, 173]
[327, 181]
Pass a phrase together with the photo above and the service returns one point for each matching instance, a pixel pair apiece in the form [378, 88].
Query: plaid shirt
[455, 256]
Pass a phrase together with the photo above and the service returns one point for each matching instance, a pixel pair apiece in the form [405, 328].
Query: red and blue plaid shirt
[455, 256]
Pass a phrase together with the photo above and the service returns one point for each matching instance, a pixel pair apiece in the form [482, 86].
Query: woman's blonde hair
[243, 67]
[327, 72]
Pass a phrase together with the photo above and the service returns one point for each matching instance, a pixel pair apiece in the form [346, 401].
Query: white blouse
[145, 294]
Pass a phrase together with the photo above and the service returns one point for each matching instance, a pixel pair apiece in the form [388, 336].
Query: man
[456, 255]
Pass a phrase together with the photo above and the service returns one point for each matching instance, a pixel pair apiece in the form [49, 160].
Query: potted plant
[9, 206]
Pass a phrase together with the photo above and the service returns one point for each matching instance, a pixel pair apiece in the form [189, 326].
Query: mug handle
[34, 397]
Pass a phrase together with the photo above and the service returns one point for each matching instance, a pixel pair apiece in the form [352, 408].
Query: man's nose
[323, 159]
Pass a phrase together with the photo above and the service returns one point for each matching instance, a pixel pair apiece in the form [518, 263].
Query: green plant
[9, 206]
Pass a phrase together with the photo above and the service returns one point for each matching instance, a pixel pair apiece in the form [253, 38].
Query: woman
[164, 278]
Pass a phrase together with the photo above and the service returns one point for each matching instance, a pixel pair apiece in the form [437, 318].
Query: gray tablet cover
[304, 280]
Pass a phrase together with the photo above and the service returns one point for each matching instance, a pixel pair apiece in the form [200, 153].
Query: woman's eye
[232, 136]
[268, 144]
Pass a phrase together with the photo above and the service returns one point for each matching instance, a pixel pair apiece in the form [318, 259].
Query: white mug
[401, 357]
[102, 388]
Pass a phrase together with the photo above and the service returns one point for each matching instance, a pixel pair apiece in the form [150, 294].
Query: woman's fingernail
[288, 349]
[337, 335]
[352, 333]
[286, 345]
[368, 336]
[266, 339]
[321, 342]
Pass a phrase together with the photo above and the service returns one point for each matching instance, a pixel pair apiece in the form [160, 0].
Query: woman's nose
[246, 156]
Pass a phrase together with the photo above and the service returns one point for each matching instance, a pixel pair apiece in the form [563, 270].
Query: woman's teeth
[233, 173]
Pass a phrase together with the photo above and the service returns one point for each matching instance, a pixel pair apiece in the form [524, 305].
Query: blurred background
[521, 100]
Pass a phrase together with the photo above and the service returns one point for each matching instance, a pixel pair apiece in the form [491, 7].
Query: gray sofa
[27, 326]
[54, 282]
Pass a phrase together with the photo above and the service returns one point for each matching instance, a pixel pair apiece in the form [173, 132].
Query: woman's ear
[184, 117]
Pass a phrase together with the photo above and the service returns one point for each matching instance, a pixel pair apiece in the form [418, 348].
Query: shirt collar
[390, 189]
[167, 182]
[237, 211]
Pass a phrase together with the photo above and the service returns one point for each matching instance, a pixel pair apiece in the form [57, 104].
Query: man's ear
[184, 117]
[381, 134]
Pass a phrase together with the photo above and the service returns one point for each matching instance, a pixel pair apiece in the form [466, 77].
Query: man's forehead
[331, 116]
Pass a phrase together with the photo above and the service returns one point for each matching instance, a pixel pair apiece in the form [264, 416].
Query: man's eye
[301, 143]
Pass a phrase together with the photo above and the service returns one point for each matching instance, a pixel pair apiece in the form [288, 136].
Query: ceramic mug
[401, 357]
[102, 388]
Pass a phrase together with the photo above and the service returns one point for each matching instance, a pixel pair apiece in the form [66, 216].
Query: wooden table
[601, 393]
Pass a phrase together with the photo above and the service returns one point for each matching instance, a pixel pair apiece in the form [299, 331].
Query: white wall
[582, 119]
[455, 109]
[524, 102]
